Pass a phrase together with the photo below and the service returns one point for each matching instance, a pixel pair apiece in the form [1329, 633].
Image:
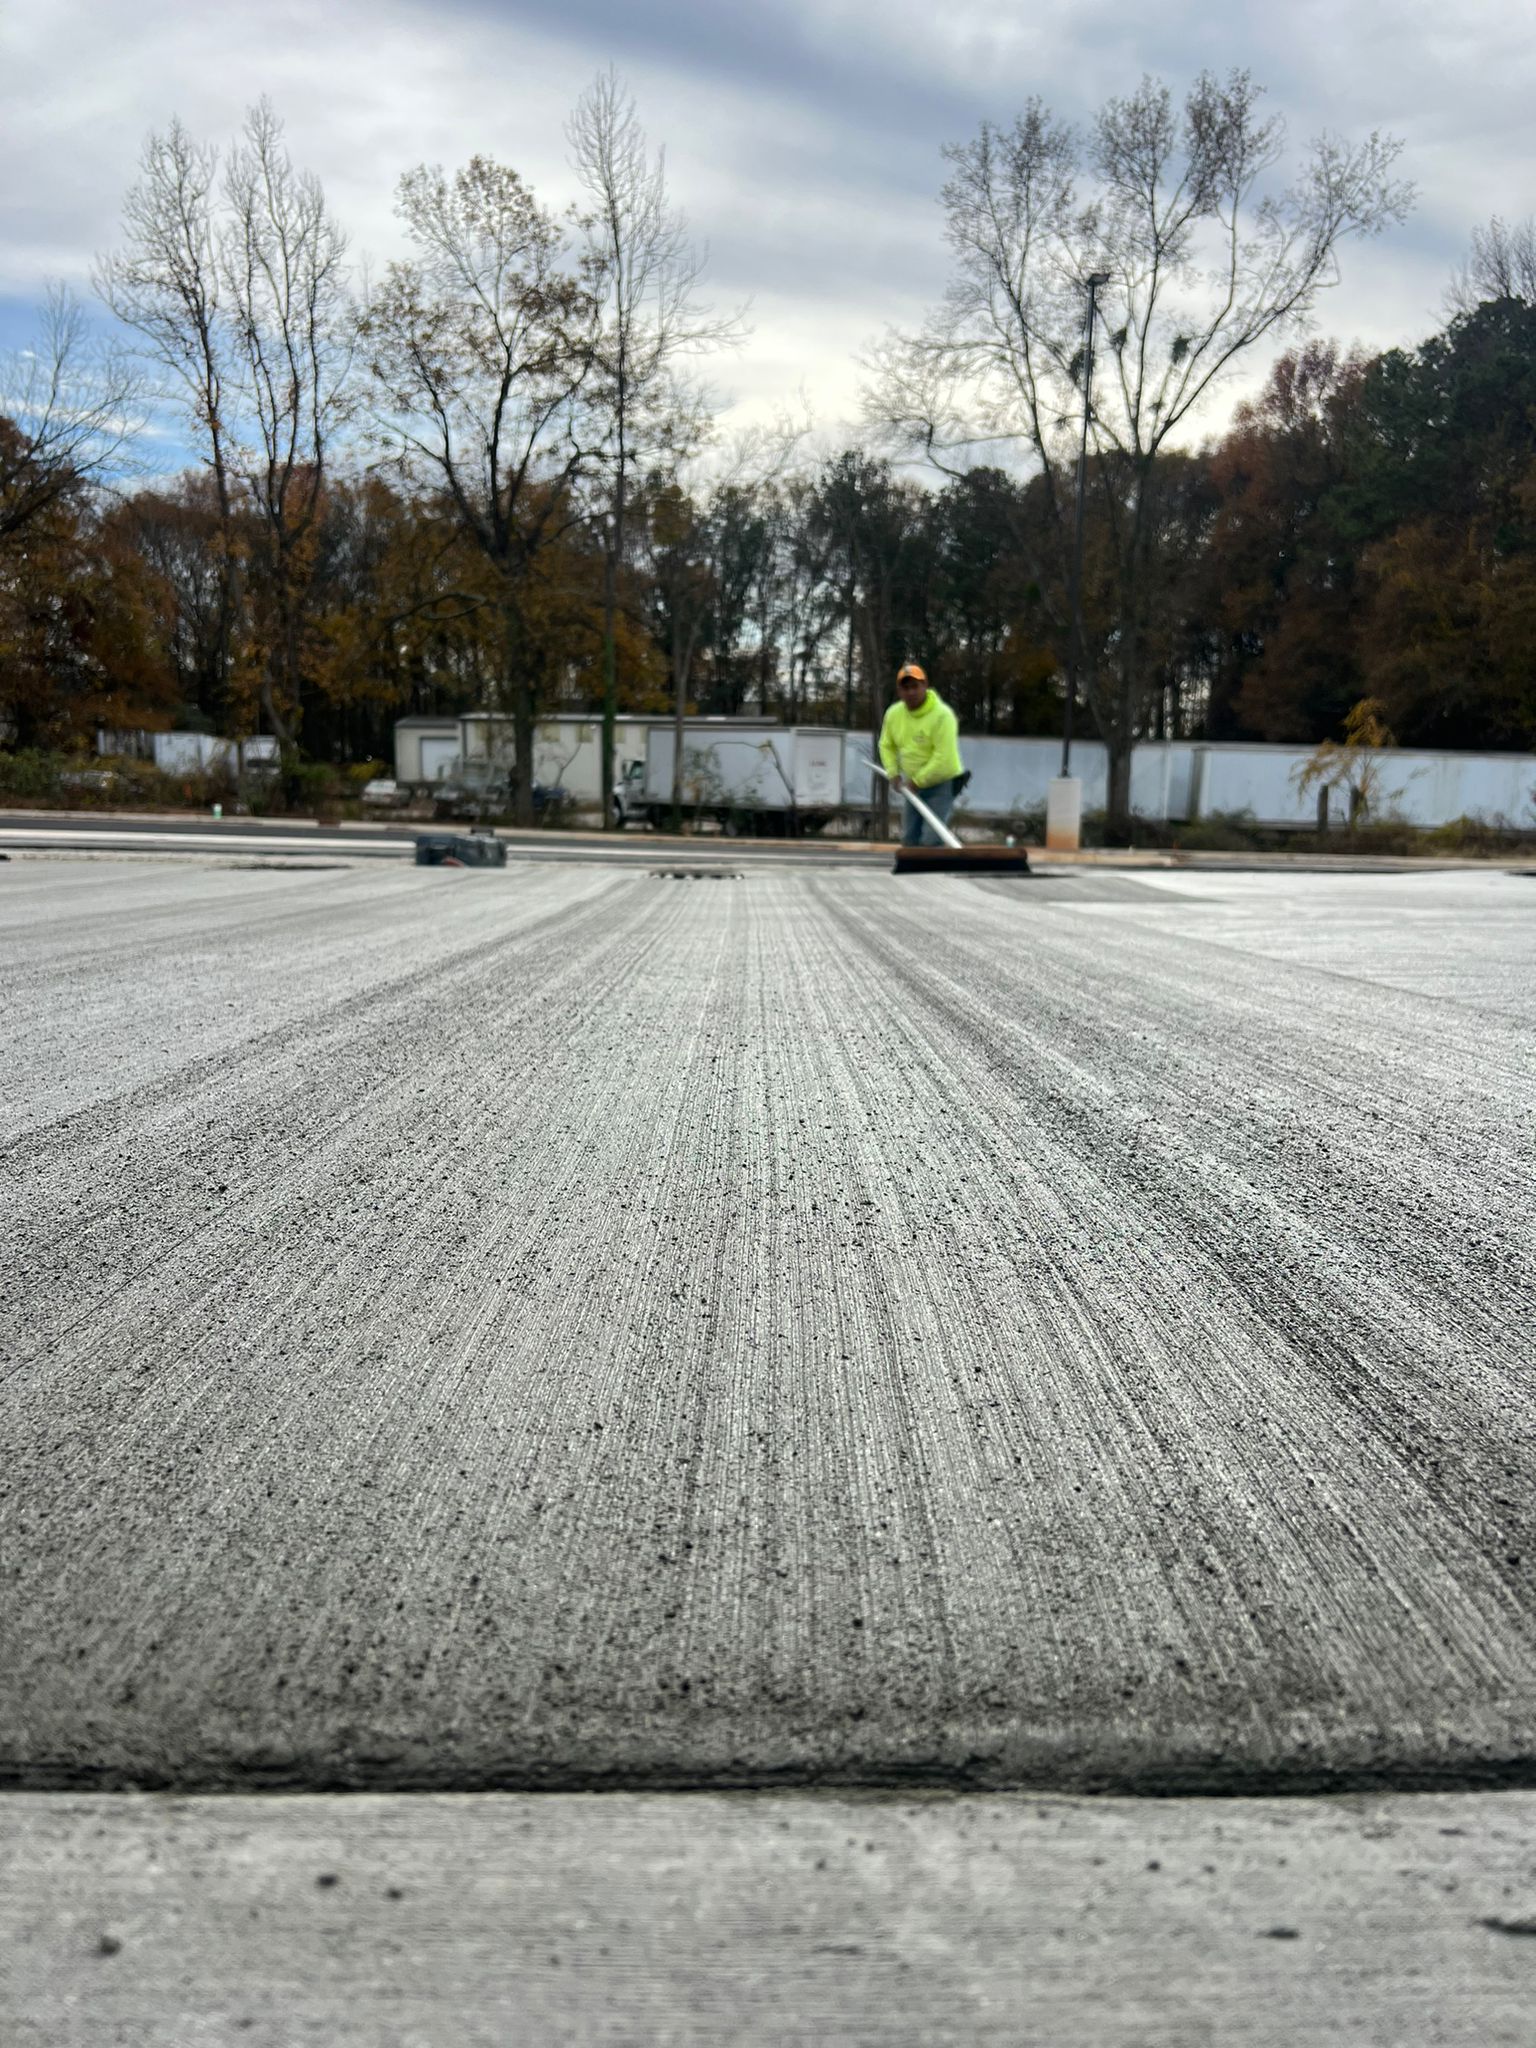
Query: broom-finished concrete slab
[565, 1327]
[419, 1921]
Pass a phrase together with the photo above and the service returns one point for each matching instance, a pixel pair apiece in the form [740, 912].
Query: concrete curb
[706, 1919]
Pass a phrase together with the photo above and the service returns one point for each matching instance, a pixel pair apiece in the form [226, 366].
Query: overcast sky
[804, 141]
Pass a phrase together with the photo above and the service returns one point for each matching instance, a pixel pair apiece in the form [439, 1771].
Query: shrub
[1026, 826]
[308, 785]
[1470, 837]
[32, 775]
[104, 782]
[1223, 832]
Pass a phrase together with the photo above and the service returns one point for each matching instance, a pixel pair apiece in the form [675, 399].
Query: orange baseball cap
[910, 668]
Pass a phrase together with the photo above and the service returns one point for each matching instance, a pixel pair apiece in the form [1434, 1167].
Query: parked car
[486, 799]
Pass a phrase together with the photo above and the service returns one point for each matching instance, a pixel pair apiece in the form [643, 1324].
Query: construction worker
[920, 748]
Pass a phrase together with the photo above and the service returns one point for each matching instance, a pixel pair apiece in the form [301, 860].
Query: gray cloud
[805, 143]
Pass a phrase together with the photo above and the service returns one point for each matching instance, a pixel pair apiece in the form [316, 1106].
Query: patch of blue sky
[159, 446]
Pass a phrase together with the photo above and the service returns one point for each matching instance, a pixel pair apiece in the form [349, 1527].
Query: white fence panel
[1420, 787]
[1178, 780]
[1260, 780]
[1430, 789]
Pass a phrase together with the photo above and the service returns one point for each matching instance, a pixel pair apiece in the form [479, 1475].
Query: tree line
[488, 478]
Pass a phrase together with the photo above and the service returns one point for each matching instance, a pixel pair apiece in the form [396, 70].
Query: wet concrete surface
[410, 1922]
[562, 1327]
[117, 835]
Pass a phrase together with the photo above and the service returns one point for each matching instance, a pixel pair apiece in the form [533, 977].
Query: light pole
[1064, 798]
[1096, 278]
[607, 762]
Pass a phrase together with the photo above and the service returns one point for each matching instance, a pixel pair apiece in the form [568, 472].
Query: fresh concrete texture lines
[566, 1327]
[409, 1922]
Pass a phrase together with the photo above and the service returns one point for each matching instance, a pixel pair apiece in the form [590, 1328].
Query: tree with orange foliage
[83, 629]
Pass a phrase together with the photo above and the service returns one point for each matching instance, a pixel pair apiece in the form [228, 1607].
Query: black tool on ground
[459, 850]
[961, 860]
[950, 857]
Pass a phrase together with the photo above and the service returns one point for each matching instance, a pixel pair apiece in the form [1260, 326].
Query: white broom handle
[918, 805]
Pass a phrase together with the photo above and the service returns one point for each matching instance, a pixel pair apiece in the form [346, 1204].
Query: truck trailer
[774, 781]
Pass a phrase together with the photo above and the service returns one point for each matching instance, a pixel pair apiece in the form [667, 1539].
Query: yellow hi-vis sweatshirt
[922, 745]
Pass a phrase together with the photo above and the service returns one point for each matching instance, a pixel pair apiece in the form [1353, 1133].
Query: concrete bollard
[1064, 814]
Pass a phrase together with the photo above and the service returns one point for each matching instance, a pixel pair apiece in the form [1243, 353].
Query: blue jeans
[940, 799]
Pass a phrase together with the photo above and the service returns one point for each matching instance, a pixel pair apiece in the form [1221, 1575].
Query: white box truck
[768, 782]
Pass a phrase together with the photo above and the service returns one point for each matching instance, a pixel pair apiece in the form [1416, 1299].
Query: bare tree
[645, 271]
[695, 532]
[237, 292]
[283, 261]
[480, 348]
[1502, 265]
[165, 285]
[1207, 256]
[69, 406]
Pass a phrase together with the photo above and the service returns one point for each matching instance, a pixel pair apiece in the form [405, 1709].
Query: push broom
[950, 857]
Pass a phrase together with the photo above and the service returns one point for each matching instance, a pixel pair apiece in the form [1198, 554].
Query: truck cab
[629, 795]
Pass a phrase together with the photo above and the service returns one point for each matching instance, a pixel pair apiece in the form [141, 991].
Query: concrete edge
[767, 1917]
